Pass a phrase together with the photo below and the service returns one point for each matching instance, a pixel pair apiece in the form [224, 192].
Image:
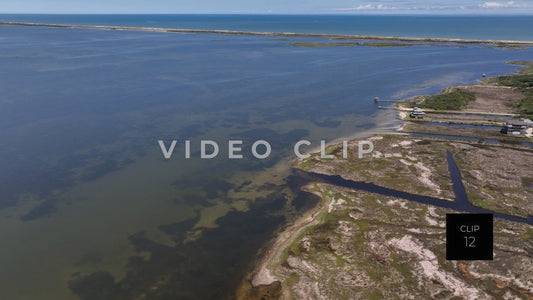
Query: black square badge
[469, 236]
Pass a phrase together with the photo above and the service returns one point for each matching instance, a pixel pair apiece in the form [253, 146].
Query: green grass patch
[372, 293]
[381, 163]
[525, 106]
[528, 66]
[517, 81]
[523, 83]
[405, 271]
[292, 279]
[451, 99]
[527, 235]
[307, 164]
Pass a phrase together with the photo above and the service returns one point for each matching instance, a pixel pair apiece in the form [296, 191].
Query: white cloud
[416, 6]
[367, 6]
[492, 4]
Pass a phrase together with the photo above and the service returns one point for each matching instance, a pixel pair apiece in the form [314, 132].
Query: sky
[271, 6]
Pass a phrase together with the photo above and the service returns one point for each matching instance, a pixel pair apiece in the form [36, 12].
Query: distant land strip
[284, 34]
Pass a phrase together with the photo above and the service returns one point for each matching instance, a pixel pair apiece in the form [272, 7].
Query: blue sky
[270, 6]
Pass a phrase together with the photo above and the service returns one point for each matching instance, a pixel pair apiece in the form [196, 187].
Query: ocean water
[466, 27]
[88, 206]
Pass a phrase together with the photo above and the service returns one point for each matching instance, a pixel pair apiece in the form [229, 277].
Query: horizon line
[336, 13]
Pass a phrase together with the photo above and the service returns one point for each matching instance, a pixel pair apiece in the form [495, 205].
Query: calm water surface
[88, 206]
[466, 27]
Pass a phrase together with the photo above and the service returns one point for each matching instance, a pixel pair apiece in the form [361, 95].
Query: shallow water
[87, 198]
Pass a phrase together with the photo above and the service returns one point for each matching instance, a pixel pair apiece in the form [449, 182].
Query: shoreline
[282, 34]
[264, 272]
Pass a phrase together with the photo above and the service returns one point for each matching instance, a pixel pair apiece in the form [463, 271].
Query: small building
[417, 113]
[515, 127]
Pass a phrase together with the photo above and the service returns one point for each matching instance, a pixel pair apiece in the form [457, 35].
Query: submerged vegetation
[333, 44]
[387, 44]
[310, 44]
